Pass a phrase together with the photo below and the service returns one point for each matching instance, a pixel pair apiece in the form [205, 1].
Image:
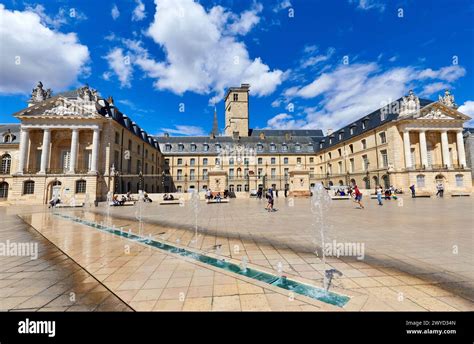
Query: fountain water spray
[139, 211]
[320, 202]
[107, 204]
[195, 205]
[244, 264]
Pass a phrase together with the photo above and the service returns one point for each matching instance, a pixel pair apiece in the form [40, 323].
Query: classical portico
[40, 154]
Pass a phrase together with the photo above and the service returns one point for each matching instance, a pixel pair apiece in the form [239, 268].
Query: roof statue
[39, 94]
[447, 100]
[410, 105]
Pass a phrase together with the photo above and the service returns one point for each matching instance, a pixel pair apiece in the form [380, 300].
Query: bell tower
[237, 111]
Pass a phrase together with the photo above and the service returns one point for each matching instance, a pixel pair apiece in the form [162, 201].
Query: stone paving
[418, 254]
[52, 282]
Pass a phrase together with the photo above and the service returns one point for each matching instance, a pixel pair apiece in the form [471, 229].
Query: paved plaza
[418, 255]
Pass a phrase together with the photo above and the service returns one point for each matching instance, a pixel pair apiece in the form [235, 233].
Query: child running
[358, 196]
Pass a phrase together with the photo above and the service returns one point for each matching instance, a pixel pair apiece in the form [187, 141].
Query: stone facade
[82, 145]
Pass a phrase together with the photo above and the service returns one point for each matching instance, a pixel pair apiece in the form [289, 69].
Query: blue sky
[311, 64]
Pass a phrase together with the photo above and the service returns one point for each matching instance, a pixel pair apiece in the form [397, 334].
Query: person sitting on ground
[208, 194]
[54, 201]
[146, 198]
[115, 200]
[218, 197]
[123, 200]
[129, 196]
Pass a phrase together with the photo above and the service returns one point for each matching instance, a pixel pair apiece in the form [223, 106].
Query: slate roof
[372, 121]
[13, 129]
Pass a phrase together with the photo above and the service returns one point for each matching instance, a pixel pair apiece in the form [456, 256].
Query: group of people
[217, 196]
[116, 201]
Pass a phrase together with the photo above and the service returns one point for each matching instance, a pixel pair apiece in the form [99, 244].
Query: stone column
[445, 148]
[407, 148]
[45, 151]
[74, 144]
[460, 148]
[95, 151]
[423, 149]
[24, 145]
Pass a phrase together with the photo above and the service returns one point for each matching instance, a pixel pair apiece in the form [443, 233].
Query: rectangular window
[365, 162]
[351, 161]
[420, 181]
[285, 161]
[311, 160]
[364, 144]
[384, 158]
[191, 174]
[192, 162]
[81, 186]
[260, 161]
[273, 172]
[340, 167]
[204, 161]
[236, 97]
[29, 187]
[383, 138]
[459, 181]
[298, 160]
[273, 161]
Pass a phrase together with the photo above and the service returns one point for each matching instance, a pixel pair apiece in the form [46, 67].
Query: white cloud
[31, 52]
[246, 21]
[281, 5]
[203, 54]
[369, 5]
[434, 87]
[139, 11]
[63, 17]
[467, 108]
[284, 121]
[351, 91]
[121, 65]
[115, 13]
[184, 130]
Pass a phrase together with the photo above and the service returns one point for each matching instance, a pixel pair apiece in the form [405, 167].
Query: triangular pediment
[439, 111]
[60, 107]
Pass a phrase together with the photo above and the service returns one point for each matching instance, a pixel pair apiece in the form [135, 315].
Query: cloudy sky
[310, 64]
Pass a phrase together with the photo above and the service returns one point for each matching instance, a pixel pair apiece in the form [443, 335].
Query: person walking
[412, 188]
[379, 194]
[286, 192]
[269, 197]
[358, 197]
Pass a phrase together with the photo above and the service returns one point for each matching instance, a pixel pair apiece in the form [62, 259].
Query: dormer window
[7, 138]
[272, 147]
[340, 136]
[284, 147]
[330, 140]
[297, 147]
[206, 147]
[363, 125]
[352, 130]
[180, 147]
[320, 145]
[383, 116]
[260, 147]
[218, 147]
[193, 147]
[168, 147]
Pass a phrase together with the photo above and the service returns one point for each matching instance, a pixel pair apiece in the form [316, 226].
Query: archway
[54, 190]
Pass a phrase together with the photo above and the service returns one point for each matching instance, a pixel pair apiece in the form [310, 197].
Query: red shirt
[357, 192]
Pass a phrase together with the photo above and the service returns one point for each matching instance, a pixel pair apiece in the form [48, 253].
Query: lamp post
[163, 181]
[140, 181]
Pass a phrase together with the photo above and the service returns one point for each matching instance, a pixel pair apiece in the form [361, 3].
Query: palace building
[81, 147]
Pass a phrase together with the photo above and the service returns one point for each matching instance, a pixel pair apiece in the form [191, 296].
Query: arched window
[376, 181]
[420, 181]
[459, 180]
[28, 187]
[367, 182]
[81, 186]
[4, 190]
[6, 164]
